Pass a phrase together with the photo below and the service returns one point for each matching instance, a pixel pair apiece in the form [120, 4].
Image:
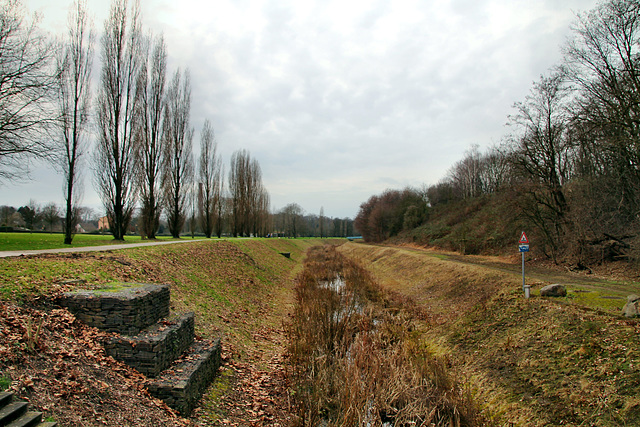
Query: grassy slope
[225, 282]
[530, 362]
[239, 289]
[486, 224]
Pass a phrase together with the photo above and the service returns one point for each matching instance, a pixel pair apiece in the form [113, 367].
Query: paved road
[5, 254]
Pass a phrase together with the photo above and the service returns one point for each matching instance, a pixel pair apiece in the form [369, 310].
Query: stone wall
[162, 349]
[182, 384]
[121, 308]
[156, 347]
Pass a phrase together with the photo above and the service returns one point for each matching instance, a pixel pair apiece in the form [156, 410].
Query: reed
[357, 359]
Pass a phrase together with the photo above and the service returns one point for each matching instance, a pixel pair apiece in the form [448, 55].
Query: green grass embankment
[227, 283]
[537, 362]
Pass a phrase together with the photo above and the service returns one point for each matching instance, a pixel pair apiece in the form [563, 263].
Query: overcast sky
[340, 100]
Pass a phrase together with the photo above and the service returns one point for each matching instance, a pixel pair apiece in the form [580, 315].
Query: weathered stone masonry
[181, 385]
[153, 344]
[153, 350]
[122, 308]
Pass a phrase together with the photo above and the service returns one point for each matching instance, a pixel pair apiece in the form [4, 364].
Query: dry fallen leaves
[70, 377]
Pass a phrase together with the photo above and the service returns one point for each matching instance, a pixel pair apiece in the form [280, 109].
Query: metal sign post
[523, 244]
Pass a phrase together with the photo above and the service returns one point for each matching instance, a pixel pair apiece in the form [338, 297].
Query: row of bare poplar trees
[144, 142]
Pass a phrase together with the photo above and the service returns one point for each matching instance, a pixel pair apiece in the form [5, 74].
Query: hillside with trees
[568, 171]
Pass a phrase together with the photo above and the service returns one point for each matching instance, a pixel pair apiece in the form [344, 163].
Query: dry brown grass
[430, 280]
[535, 362]
[356, 357]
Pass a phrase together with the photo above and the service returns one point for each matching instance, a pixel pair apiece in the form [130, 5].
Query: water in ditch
[356, 358]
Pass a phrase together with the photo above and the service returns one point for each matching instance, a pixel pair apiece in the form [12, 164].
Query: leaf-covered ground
[65, 373]
[239, 289]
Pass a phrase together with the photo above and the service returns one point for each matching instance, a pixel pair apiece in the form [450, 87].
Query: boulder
[554, 290]
[632, 307]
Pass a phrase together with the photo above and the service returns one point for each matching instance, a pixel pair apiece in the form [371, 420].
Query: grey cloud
[392, 99]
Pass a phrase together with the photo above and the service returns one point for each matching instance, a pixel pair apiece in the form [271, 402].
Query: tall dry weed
[354, 359]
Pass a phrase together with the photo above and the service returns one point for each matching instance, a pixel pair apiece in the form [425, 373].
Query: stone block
[181, 385]
[154, 348]
[122, 308]
[554, 290]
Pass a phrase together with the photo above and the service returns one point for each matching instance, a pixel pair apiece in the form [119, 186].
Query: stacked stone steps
[181, 385]
[15, 413]
[124, 308]
[160, 346]
[153, 349]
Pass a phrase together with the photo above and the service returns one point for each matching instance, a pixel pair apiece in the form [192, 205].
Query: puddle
[337, 284]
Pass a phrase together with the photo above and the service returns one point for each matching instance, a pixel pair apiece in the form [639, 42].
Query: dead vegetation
[63, 371]
[356, 357]
[537, 362]
[238, 289]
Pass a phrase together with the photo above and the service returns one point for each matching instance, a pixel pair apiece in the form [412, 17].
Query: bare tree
[293, 213]
[74, 94]
[149, 146]
[465, 174]
[192, 209]
[210, 185]
[259, 201]
[27, 91]
[51, 216]
[117, 115]
[602, 62]
[544, 153]
[495, 170]
[222, 207]
[177, 175]
[263, 218]
[249, 198]
[238, 191]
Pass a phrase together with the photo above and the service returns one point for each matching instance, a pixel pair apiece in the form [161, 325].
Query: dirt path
[616, 279]
[259, 392]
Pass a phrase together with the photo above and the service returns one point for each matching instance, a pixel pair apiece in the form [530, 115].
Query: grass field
[36, 241]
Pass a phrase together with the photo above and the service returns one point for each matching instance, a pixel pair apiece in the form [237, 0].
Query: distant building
[103, 224]
[88, 227]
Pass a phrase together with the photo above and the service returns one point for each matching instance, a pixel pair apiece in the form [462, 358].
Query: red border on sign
[523, 239]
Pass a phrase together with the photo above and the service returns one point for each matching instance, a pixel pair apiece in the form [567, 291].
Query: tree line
[143, 153]
[33, 216]
[570, 164]
[289, 222]
[293, 221]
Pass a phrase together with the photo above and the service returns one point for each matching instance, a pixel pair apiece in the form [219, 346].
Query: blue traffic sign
[524, 248]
